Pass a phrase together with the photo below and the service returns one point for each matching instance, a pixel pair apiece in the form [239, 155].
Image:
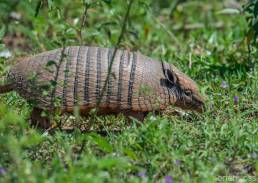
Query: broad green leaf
[102, 143]
[130, 153]
[107, 1]
[50, 63]
[107, 163]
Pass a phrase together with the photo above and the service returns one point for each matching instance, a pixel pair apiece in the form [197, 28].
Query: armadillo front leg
[37, 120]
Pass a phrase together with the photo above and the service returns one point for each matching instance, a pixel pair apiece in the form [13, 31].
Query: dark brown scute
[131, 80]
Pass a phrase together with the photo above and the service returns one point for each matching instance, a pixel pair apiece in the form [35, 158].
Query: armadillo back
[79, 77]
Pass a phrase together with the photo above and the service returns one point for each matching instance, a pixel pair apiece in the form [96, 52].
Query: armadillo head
[183, 91]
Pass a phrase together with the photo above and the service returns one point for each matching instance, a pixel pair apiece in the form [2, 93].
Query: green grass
[219, 145]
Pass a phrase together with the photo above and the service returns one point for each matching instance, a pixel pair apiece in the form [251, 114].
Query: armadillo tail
[6, 88]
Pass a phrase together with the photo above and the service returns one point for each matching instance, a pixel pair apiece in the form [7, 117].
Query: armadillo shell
[77, 78]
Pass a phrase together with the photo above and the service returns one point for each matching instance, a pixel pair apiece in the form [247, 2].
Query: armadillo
[88, 77]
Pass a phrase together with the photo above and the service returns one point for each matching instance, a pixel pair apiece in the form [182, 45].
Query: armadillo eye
[188, 93]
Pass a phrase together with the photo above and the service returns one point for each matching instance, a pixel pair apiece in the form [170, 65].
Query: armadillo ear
[169, 76]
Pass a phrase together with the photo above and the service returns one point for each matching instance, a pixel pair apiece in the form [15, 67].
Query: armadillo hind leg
[140, 116]
[36, 120]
